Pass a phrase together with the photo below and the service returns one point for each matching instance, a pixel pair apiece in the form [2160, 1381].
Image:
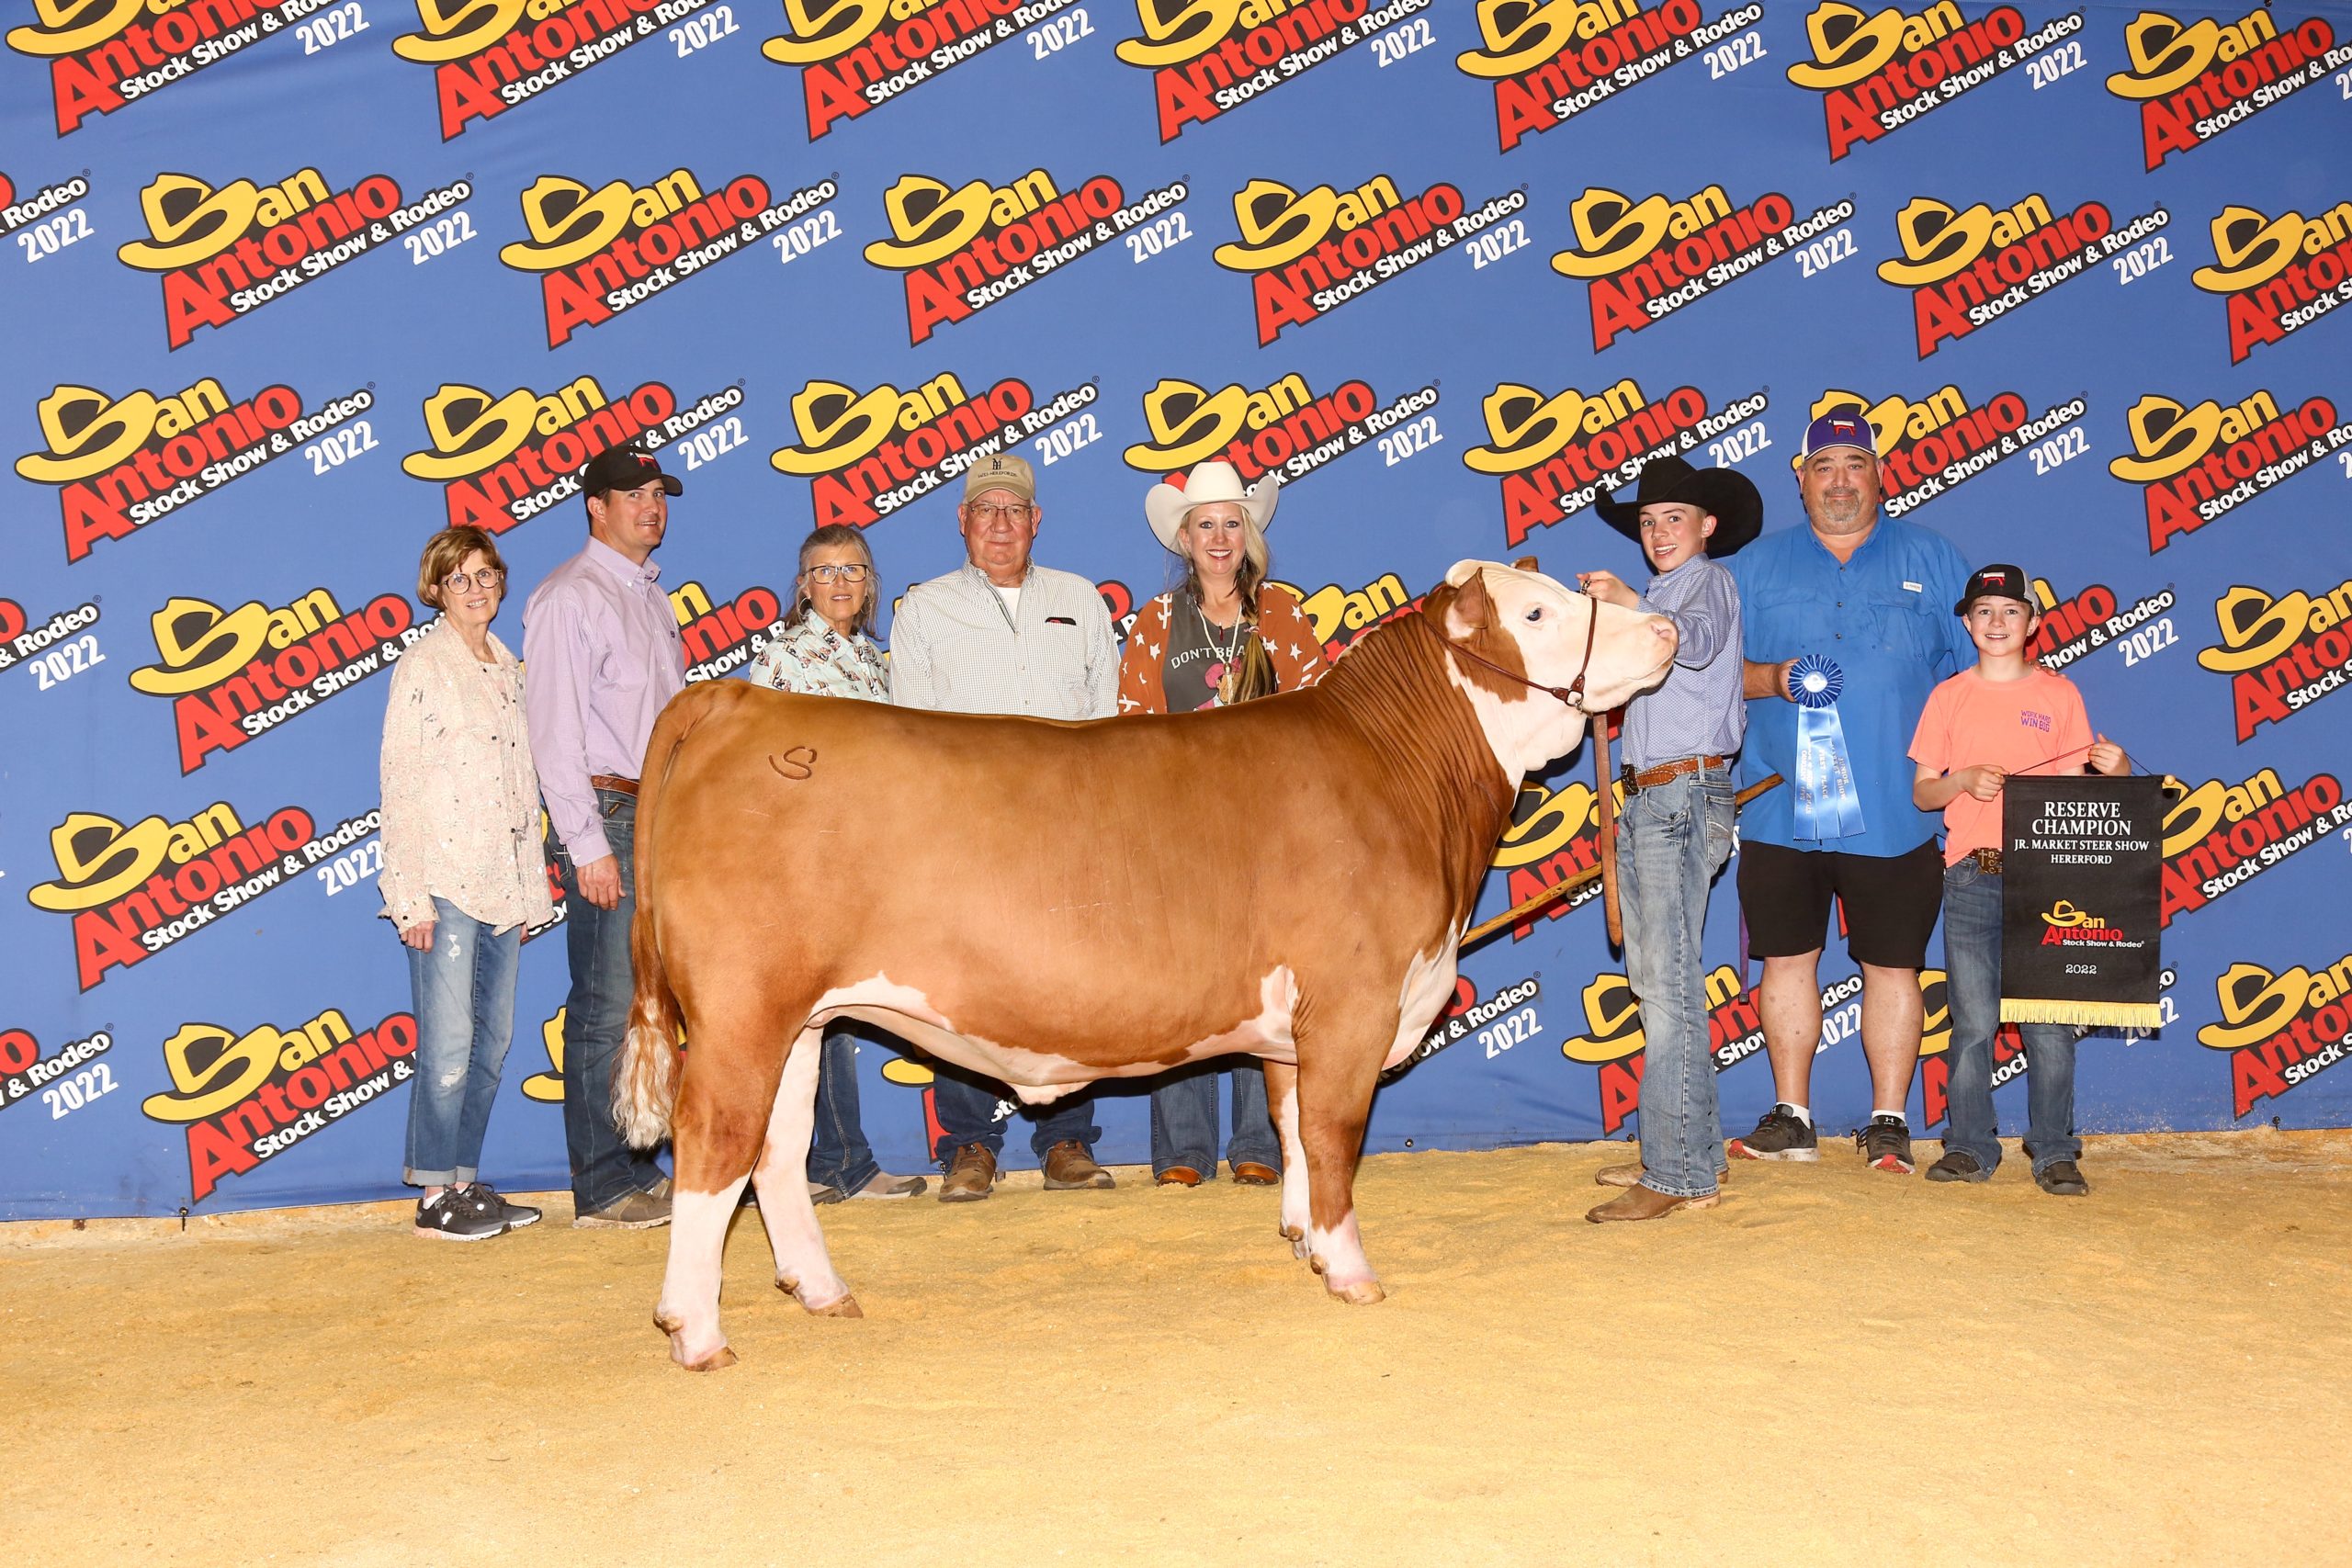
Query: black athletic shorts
[1890, 902]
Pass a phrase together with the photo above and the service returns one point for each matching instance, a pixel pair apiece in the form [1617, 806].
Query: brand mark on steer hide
[800, 762]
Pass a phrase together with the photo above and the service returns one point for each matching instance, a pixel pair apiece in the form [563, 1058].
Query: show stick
[1608, 801]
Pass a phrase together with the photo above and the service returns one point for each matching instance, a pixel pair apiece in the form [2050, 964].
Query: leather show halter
[1573, 695]
[1573, 692]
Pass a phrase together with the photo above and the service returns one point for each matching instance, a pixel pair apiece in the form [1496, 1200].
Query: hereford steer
[1030, 900]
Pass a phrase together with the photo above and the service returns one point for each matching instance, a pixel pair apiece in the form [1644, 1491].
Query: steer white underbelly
[1038, 1078]
[1429, 984]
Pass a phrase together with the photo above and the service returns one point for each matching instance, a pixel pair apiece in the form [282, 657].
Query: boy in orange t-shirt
[2007, 716]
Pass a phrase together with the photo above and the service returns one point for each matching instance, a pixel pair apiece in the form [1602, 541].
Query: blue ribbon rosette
[1826, 804]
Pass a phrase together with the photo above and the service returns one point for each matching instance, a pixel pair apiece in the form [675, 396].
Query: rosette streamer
[1828, 805]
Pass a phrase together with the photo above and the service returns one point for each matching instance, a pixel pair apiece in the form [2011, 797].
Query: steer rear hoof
[1297, 1236]
[1357, 1293]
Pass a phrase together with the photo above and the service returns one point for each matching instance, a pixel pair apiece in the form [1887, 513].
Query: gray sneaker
[1779, 1135]
[451, 1217]
[516, 1216]
[1885, 1143]
[882, 1184]
[633, 1212]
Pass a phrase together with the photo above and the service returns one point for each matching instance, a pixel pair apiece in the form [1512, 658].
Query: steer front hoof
[1357, 1293]
[717, 1359]
[1297, 1236]
[711, 1359]
[842, 1306]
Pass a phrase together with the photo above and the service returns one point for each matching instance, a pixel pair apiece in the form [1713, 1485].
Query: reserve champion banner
[291, 284]
[2081, 900]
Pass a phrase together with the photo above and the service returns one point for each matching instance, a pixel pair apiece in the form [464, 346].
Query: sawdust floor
[1835, 1366]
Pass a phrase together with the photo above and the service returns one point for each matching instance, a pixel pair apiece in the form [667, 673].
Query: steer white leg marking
[1295, 1217]
[1337, 1255]
[803, 1269]
[688, 1310]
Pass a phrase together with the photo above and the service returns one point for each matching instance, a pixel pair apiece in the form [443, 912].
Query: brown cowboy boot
[1646, 1203]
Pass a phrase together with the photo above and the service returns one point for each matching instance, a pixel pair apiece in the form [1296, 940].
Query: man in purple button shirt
[601, 656]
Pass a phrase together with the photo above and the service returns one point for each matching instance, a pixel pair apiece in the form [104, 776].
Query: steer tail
[645, 1087]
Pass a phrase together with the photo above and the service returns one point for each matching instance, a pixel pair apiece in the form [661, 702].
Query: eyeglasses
[850, 573]
[986, 511]
[488, 577]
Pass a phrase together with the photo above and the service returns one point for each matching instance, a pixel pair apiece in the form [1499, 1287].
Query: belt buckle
[1627, 777]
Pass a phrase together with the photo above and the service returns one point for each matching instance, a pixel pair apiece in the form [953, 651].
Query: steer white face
[1550, 623]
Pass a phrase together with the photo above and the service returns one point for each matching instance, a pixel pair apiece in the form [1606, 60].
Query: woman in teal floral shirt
[828, 651]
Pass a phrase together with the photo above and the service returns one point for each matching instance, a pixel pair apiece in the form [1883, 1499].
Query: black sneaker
[2061, 1178]
[1885, 1144]
[1779, 1135]
[516, 1216]
[451, 1217]
[1957, 1164]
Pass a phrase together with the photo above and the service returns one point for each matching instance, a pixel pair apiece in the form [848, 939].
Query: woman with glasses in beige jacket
[463, 874]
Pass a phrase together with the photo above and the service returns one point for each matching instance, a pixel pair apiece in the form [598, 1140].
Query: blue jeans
[838, 1155]
[1671, 840]
[966, 1110]
[605, 1169]
[1973, 963]
[1184, 1118]
[465, 1018]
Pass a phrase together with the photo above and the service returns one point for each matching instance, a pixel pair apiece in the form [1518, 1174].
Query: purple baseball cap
[1839, 427]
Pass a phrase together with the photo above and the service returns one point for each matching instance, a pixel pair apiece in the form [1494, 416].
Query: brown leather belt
[1988, 861]
[1650, 778]
[607, 781]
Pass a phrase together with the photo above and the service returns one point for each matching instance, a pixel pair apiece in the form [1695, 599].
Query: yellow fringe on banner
[2120, 1015]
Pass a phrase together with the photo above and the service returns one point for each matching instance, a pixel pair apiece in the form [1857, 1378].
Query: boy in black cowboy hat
[1674, 832]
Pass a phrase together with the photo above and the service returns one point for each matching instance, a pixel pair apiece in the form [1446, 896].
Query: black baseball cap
[624, 467]
[1996, 583]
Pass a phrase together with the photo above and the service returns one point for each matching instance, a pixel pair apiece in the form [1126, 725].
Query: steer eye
[1536, 614]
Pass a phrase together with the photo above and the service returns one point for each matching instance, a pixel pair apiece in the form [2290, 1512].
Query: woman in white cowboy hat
[1223, 635]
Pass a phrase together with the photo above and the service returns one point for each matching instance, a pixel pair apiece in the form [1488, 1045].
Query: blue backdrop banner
[292, 285]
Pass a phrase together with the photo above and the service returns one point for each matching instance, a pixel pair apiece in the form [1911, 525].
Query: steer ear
[1471, 610]
[1467, 617]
